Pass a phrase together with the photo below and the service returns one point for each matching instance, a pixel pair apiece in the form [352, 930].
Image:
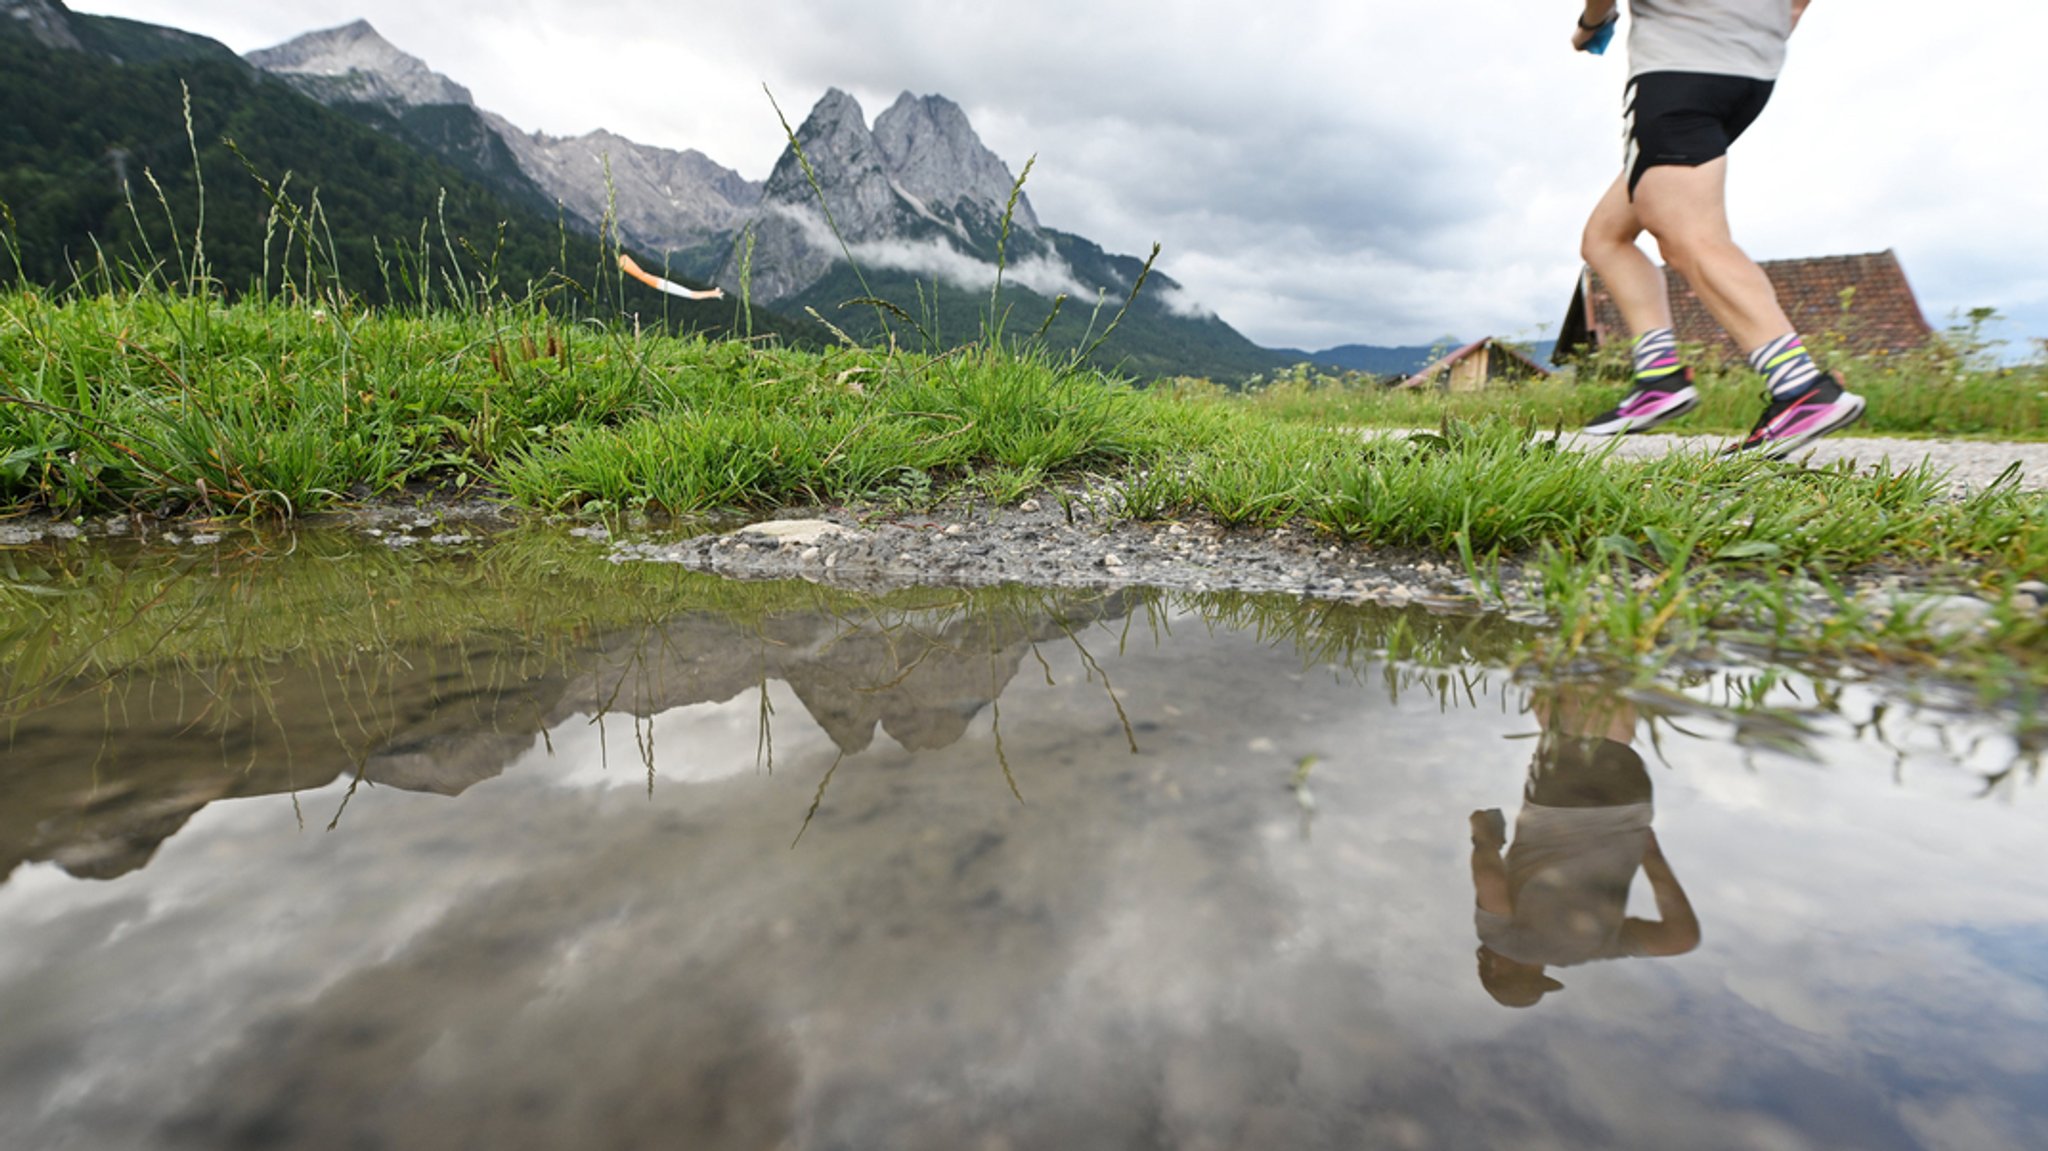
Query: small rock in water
[202, 539]
[1029, 506]
[1112, 560]
[593, 532]
[956, 529]
[809, 554]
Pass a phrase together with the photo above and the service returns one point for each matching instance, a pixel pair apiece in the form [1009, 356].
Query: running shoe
[1647, 405]
[1793, 422]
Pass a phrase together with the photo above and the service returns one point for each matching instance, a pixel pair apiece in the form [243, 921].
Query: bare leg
[1609, 246]
[1686, 210]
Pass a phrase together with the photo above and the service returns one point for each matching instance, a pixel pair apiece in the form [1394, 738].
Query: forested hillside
[97, 180]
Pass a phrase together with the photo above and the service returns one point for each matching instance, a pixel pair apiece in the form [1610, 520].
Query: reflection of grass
[80, 614]
[478, 626]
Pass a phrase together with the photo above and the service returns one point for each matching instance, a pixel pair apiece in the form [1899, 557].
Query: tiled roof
[1883, 314]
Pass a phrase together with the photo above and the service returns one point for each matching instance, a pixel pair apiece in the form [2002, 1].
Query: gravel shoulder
[1971, 465]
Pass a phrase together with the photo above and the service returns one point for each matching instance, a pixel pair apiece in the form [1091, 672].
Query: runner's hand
[1596, 38]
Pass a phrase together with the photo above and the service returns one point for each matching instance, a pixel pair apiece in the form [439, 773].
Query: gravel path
[1972, 464]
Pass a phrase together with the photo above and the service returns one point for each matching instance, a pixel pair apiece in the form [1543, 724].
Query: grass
[160, 401]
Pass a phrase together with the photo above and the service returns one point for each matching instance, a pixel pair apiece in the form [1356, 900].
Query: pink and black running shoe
[1648, 404]
[1796, 421]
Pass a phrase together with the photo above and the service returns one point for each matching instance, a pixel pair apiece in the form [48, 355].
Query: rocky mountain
[352, 64]
[663, 201]
[917, 203]
[919, 192]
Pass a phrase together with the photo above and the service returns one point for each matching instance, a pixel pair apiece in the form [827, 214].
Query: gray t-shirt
[1569, 871]
[1723, 37]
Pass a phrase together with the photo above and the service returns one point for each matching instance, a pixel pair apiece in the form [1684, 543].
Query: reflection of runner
[1560, 897]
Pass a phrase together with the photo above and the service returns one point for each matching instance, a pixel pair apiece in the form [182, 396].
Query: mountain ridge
[916, 208]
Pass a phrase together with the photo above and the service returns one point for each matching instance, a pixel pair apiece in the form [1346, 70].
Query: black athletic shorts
[1686, 118]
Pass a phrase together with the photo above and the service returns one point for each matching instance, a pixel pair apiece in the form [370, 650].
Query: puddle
[306, 844]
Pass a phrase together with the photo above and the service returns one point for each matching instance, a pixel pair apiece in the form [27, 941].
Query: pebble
[1943, 616]
[2034, 592]
[1112, 560]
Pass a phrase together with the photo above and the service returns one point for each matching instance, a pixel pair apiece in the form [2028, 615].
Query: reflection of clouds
[1147, 950]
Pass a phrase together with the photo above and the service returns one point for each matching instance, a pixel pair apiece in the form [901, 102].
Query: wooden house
[1478, 365]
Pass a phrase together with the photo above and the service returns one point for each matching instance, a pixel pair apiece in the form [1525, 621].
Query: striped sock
[1656, 356]
[1787, 369]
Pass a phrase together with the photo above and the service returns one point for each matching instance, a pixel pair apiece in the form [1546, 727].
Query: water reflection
[606, 938]
[1560, 896]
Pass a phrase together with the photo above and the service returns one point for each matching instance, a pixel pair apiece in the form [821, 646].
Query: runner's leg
[1686, 209]
[1662, 387]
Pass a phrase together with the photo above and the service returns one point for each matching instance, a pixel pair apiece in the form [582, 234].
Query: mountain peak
[935, 155]
[355, 63]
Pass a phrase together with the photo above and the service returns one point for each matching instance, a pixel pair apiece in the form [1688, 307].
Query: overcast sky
[1320, 172]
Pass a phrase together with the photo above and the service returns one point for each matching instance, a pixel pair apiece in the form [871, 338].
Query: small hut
[1476, 366]
[1864, 300]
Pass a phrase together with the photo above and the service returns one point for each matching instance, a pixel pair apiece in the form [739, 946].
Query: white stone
[801, 532]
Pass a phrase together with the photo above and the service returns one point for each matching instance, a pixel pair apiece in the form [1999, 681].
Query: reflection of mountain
[920, 676]
[97, 782]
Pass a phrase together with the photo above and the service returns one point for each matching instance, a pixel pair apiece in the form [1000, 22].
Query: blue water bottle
[1605, 36]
